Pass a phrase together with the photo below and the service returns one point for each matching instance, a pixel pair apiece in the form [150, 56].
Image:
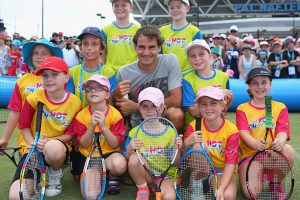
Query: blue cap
[91, 31]
[16, 43]
[28, 48]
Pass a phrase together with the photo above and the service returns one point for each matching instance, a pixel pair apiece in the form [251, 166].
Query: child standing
[200, 55]
[15, 56]
[151, 104]
[34, 54]
[217, 62]
[219, 136]
[250, 120]
[111, 123]
[60, 107]
[118, 36]
[91, 47]
[179, 33]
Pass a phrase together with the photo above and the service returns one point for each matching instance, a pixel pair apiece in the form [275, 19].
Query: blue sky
[68, 16]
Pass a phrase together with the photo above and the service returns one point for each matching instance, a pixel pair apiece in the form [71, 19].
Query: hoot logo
[59, 118]
[175, 42]
[255, 123]
[214, 144]
[33, 87]
[125, 39]
[153, 150]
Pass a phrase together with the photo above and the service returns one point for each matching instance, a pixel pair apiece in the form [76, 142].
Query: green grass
[71, 189]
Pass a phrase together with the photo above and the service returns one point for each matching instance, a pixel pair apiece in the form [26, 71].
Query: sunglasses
[233, 31]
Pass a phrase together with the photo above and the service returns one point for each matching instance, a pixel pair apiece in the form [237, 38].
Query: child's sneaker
[113, 187]
[53, 185]
[142, 193]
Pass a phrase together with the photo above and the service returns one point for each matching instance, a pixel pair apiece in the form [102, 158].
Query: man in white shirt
[71, 53]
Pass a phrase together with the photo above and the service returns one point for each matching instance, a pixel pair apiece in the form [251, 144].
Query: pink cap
[264, 43]
[229, 72]
[102, 80]
[210, 91]
[152, 94]
[216, 35]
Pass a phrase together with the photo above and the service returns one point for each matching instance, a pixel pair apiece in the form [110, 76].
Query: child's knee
[14, 191]
[54, 150]
[169, 195]
[119, 165]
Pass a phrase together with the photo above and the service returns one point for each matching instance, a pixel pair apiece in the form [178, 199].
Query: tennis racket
[94, 171]
[269, 174]
[12, 156]
[158, 153]
[196, 177]
[33, 172]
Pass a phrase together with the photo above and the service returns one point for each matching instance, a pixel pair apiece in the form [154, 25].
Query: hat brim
[28, 48]
[210, 96]
[39, 72]
[83, 34]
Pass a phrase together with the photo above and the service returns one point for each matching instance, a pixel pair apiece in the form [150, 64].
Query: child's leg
[231, 190]
[136, 170]
[255, 182]
[14, 190]
[167, 189]
[55, 152]
[116, 163]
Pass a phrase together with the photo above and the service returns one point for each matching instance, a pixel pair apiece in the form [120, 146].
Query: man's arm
[174, 100]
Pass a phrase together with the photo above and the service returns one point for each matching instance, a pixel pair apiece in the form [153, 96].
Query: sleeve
[241, 121]
[188, 95]
[198, 36]
[113, 82]
[70, 129]
[231, 149]
[15, 102]
[26, 116]
[119, 77]
[175, 75]
[78, 129]
[118, 129]
[189, 131]
[104, 36]
[228, 85]
[282, 124]
[70, 87]
[271, 57]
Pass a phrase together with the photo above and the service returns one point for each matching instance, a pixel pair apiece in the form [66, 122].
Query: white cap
[197, 43]
[223, 36]
[130, 1]
[233, 27]
[153, 95]
[184, 1]
[264, 43]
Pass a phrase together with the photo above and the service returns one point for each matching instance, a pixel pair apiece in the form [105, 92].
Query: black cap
[91, 31]
[258, 71]
[54, 34]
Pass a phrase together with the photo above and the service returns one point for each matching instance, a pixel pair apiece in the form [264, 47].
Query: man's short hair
[150, 31]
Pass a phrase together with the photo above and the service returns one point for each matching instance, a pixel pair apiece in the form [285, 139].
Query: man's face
[233, 32]
[147, 51]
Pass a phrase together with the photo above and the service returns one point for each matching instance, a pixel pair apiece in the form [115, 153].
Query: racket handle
[126, 96]
[158, 196]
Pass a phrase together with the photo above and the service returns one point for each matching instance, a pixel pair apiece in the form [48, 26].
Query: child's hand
[135, 144]
[260, 145]
[194, 138]
[278, 144]
[41, 143]
[178, 141]
[220, 194]
[101, 119]
[228, 96]
[96, 118]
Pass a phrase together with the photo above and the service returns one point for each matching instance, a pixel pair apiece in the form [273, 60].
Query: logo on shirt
[255, 123]
[213, 144]
[58, 118]
[33, 87]
[175, 42]
[119, 39]
[153, 150]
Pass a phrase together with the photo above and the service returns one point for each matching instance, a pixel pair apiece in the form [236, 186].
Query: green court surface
[71, 189]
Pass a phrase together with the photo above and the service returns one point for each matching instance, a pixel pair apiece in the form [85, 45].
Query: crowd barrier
[283, 90]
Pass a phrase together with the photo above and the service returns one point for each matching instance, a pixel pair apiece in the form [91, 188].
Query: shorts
[22, 160]
[78, 161]
[243, 162]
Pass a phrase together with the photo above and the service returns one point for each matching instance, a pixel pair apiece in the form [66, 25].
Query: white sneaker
[53, 185]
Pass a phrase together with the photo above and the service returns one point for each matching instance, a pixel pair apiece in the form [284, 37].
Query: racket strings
[32, 178]
[93, 178]
[274, 176]
[195, 179]
[158, 150]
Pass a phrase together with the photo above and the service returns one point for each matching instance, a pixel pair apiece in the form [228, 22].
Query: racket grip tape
[198, 123]
[158, 195]
[39, 116]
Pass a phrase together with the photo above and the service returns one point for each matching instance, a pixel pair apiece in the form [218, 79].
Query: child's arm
[133, 145]
[87, 138]
[26, 132]
[226, 179]
[191, 138]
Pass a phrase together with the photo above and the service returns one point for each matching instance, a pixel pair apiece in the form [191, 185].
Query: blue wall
[286, 91]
